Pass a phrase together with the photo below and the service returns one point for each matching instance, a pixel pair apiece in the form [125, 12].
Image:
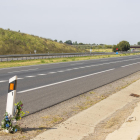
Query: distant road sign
[116, 48]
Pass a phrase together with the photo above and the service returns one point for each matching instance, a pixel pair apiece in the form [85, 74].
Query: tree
[81, 44]
[114, 48]
[75, 43]
[60, 41]
[55, 40]
[138, 43]
[68, 42]
[123, 46]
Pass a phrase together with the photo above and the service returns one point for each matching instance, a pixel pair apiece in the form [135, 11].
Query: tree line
[121, 46]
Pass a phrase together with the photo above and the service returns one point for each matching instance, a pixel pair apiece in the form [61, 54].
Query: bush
[123, 46]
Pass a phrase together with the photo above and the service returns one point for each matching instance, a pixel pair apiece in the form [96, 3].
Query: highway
[42, 86]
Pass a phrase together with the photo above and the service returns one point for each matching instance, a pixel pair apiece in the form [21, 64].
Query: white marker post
[11, 95]
[90, 50]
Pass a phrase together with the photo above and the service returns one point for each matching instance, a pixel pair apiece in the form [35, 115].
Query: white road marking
[75, 68]
[20, 78]
[51, 72]
[3, 81]
[104, 60]
[42, 74]
[77, 64]
[65, 81]
[66, 62]
[23, 70]
[60, 71]
[30, 76]
[130, 64]
[68, 69]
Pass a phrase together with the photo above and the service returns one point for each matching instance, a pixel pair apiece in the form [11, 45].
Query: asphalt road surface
[42, 86]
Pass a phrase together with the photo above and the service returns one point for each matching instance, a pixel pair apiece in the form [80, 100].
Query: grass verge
[56, 60]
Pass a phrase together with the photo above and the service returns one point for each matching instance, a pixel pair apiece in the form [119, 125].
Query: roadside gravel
[37, 123]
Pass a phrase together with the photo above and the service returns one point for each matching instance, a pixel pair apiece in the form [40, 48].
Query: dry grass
[51, 120]
[100, 50]
[112, 122]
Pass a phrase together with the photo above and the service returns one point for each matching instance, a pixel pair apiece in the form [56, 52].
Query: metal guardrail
[52, 55]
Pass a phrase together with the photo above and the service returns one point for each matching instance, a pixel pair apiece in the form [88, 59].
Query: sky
[86, 21]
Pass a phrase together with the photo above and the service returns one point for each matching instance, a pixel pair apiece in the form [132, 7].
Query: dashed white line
[65, 81]
[51, 72]
[42, 74]
[130, 64]
[77, 64]
[3, 81]
[60, 71]
[104, 60]
[30, 76]
[68, 69]
[20, 78]
[75, 68]
[22, 70]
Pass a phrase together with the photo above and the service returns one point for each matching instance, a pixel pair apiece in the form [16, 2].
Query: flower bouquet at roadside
[9, 123]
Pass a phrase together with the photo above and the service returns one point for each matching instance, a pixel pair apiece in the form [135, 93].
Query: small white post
[11, 95]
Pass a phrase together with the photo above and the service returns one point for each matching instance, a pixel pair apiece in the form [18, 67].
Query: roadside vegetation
[121, 46]
[12, 42]
[56, 60]
[100, 50]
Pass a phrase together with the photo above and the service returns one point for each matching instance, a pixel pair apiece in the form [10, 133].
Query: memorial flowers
[9, 123]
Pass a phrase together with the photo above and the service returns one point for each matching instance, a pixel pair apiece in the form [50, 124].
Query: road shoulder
[84, 123]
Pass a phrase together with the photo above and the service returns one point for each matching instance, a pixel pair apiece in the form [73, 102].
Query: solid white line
[130, 64]
[30, 76]
[3, 81]
[65, 81]
[22, 70]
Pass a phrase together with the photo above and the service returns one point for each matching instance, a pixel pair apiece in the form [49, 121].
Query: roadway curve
[42, 86]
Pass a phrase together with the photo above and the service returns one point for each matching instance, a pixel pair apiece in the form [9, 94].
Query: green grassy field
[56, 60]
[12, 42]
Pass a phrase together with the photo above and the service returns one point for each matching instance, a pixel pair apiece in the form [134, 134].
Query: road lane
[35, 100]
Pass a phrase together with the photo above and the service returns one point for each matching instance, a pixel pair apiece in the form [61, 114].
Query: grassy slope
[12, 42]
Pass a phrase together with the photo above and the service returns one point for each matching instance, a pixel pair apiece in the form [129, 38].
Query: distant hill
[12, 42]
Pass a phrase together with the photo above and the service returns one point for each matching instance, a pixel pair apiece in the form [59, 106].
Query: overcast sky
[87, 21]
